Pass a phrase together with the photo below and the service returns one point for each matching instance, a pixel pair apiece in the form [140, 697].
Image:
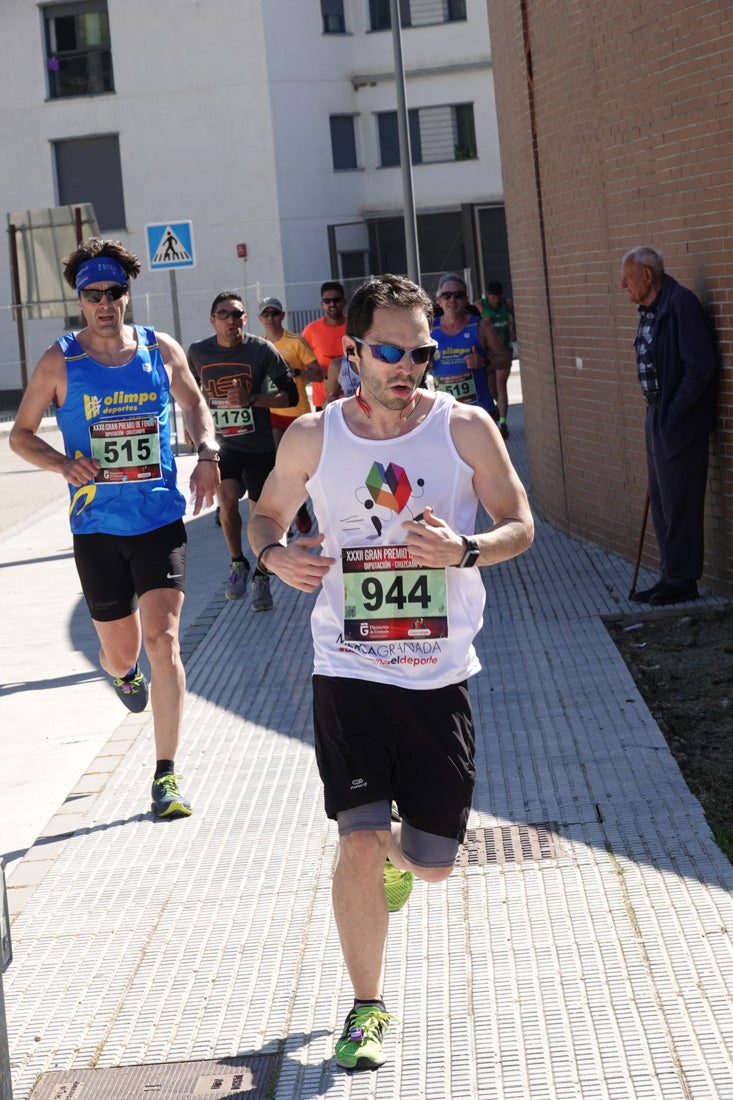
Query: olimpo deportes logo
[115, 403]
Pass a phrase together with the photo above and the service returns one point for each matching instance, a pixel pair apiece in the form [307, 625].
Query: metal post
[177, 334]
[403, 129]
[174, 305]
[6, 954]
[18, 306]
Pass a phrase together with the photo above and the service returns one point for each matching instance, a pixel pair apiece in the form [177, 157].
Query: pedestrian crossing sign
[170, 244]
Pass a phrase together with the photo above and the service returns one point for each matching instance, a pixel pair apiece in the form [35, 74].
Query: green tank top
[500, 319]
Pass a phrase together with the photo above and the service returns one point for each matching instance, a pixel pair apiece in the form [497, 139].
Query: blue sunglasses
[389, 353]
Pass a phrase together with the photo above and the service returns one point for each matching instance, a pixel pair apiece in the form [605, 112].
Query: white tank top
[378, 616]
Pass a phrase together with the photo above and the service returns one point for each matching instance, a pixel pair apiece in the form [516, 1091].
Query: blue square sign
[170, 244]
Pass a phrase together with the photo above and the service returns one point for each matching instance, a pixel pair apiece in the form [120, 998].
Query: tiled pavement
[597, 965]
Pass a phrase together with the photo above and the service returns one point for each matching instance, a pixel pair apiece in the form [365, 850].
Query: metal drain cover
[243, 1077]
[508, 844]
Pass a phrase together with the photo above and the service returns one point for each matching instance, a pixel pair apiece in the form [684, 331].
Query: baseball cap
[271, 303]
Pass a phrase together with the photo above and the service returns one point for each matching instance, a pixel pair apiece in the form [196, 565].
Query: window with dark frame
[456, 11]
[380, 16]
[416, 13]
[333, 16]
[89, 169]
[389, 140]
[437, 134]
[465, 132]
[78, 49]
[343, 142]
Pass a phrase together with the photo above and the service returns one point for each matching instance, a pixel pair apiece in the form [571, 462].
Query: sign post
[6, 954]
[170, 246]
[242, 255]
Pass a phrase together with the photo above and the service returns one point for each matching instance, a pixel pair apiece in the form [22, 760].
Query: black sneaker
[167, 800]
[134, 692]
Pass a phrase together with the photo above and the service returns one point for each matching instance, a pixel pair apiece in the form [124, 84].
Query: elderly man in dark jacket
[677, 365]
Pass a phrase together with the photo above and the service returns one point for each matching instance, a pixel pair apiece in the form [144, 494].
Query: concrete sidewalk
[581, 949]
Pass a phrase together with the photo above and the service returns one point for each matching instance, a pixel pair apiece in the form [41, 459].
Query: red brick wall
[633, 125]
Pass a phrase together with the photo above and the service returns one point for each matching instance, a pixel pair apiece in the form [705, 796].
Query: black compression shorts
[115, 569]
[377, 741]
[240, 466]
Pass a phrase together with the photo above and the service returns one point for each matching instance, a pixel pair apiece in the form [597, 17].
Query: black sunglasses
[225, 314]
[112, 293]
[331, 301]
[271, 313]
[453, 294]
[390, 353]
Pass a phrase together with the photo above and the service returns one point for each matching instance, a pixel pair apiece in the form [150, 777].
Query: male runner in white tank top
[395, 474]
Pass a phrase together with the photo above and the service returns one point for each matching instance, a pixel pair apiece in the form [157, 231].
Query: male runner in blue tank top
[395, 474]
[110, 384]
[466, 346]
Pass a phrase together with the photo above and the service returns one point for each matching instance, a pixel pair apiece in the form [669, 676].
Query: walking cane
[640, 547]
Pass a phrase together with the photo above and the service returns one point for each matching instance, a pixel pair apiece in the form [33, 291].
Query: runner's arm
[285, 395]
[283, 493]
[312, 371]
[196, 417]
[498, 488]
[47, 385]
[499, 357]
[333, 386]
[310, 368]
[512, 319]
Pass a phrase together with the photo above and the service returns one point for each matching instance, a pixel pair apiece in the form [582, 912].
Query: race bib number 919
[387, 597]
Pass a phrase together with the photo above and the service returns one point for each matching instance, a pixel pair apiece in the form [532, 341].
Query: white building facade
[269, 124]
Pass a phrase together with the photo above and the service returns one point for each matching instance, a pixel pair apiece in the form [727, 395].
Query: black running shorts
[252, 469]
[377, 741]
[115, 569]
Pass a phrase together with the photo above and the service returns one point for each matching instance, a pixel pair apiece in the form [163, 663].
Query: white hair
[450, 277]
[645, 256]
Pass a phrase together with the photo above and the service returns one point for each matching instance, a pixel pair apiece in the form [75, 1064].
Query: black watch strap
[471, 554]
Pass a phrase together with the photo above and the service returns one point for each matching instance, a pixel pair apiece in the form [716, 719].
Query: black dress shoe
[646, 593]
[670, 593]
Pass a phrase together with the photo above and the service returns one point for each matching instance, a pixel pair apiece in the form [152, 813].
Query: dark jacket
[686, 364]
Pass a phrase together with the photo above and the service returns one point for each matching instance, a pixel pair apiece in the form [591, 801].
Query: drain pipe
[6, 954]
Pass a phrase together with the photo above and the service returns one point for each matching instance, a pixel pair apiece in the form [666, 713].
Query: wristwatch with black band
[208, 451]
[471, 554]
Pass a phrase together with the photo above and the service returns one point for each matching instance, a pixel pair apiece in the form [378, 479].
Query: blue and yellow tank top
[449, 368]
[120, 416]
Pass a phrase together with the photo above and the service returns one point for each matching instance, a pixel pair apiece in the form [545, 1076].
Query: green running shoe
[134, 692]
[397, 886]
[360, 1045]
[167, 800]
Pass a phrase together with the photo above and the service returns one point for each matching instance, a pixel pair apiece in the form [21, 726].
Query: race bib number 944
[388, 598]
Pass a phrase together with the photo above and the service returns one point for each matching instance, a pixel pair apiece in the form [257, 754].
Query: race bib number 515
[127, 449]
[388, 598]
